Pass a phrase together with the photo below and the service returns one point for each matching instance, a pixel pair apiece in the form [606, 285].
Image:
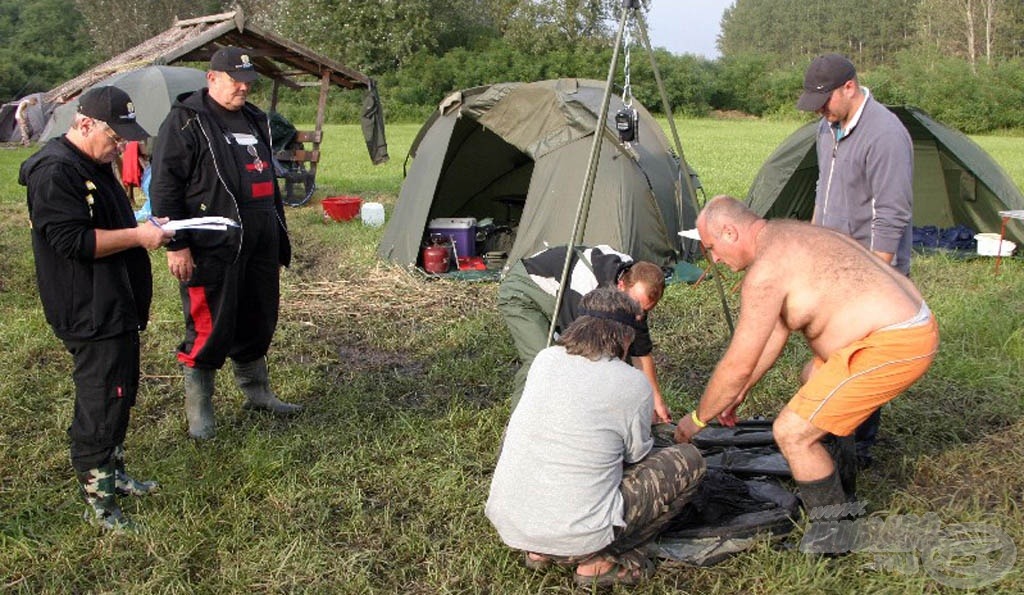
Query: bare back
[824, 285]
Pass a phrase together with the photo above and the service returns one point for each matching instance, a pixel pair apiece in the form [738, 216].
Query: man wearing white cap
[95, 284]
[213, 157]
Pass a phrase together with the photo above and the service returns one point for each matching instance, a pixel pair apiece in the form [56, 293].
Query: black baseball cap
[113, 106]
[825, 74]
[235, 62]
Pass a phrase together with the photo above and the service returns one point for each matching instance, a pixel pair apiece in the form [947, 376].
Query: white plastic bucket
[988, 245]
[372, 214]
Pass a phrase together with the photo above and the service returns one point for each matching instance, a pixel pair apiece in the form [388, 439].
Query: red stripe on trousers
[202, 322]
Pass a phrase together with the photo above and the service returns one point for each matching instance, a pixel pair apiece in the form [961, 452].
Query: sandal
[541, 563]
[620, 573]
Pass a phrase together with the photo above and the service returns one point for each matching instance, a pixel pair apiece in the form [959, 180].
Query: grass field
[379, 486]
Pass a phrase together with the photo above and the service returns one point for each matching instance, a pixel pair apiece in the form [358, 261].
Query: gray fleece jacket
[865, 182]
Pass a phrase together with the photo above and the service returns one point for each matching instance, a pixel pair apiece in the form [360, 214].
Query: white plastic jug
[372, 214]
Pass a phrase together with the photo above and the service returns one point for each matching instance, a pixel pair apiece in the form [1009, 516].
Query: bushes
[742, 84]
[689, 82]
[973, 101]
[425, 79]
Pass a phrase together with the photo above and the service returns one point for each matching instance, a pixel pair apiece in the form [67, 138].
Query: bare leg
[800, 443]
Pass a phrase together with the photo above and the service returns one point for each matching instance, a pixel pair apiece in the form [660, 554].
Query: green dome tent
[518, 153]
[955, 181]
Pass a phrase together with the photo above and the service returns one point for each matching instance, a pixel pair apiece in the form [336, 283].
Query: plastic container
[472, 263]
[341, 208]
[988, 245]
[462, 231]
[372, 214]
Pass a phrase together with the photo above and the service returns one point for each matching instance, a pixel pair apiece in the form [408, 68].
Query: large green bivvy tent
[518, 153]
[955, 181]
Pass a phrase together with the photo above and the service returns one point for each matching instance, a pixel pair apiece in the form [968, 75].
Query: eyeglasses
[113, 135]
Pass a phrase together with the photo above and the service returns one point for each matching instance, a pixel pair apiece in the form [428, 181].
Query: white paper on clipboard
[212, 223]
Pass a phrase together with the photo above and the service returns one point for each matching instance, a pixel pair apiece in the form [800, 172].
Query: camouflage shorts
[654, 491]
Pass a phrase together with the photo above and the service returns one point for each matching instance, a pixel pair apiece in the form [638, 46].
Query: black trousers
[866, 435]
[106, 379]
[231, 307]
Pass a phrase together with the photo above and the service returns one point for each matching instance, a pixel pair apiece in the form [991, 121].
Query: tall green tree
[973, 30]
[118, 25]
[379, 35]
[42, 43]
[550, 25]
[789, 32]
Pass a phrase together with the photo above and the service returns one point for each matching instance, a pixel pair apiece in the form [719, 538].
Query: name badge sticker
[245, 139]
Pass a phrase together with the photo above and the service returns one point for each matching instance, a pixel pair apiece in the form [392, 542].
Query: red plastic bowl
[341, 208]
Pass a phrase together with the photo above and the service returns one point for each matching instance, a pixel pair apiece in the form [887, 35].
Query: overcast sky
[686, 26]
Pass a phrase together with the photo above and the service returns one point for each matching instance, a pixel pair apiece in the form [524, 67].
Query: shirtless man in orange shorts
[871, 333]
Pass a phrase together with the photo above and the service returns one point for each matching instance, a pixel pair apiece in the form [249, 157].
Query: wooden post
[321, 107]
[273, 95]
[999, 246]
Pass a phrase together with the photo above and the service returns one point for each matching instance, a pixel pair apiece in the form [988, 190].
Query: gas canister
[436, 256]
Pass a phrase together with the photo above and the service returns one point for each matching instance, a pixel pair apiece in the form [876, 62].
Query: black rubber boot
[126, 485]
[98, 490]
[199, 402]
[254, 381]
[844, 454]
[830, 529]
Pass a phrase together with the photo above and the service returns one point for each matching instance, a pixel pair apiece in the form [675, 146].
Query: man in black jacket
[95, 284]
[213, 157]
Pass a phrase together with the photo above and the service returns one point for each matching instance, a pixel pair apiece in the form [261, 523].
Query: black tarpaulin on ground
[740, 502]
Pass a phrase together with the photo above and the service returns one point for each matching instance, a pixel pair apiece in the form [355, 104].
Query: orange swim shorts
[846, 389]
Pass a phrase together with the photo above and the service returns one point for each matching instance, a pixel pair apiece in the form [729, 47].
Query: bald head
[728, 230]
[722, 210]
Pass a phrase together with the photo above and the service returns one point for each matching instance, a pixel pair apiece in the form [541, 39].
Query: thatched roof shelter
[196, 40]
[278, 59]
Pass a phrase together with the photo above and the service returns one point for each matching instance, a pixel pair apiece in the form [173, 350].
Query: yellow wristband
[696, 420]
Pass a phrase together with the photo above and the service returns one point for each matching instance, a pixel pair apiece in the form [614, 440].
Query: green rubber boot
[254, 381]
[126, 485]
[98, 491]
[199, 402]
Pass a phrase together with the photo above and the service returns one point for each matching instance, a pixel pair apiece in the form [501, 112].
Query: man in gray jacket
[865, 162]
[865, 175]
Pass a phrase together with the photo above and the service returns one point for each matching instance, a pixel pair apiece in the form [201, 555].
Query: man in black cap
[95, 284]
[213, 157]
[865, 176]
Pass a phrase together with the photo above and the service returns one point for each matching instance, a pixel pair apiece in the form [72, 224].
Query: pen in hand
[165, 234]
